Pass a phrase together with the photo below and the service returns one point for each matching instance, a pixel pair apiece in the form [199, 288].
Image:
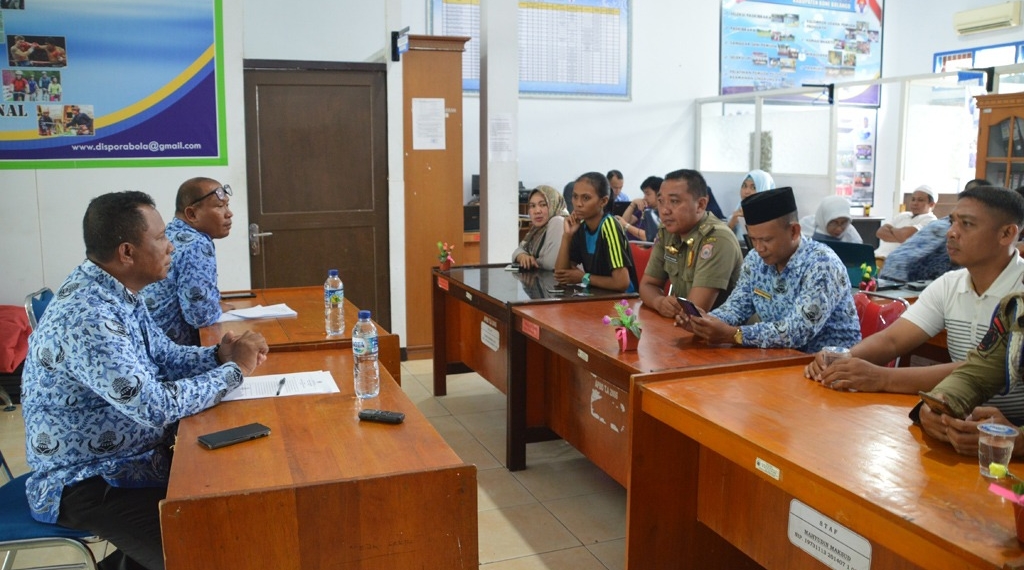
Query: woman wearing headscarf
[755, 181]
[831, 222]
[539, 247]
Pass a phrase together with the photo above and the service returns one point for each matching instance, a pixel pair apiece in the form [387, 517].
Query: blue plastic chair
[19, 531]
[36, 303]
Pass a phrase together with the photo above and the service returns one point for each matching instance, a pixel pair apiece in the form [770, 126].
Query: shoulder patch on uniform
[995, 330]
[707, 250]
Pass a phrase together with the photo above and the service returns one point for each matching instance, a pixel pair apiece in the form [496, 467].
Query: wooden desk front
[323, 490]
[305, 331]
[697, 499]
[469, 300]
[569, 377]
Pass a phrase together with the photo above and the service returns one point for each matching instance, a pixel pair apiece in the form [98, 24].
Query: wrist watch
[737, 337]
[586, 280]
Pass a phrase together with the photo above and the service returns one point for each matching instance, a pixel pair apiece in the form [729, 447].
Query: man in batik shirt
[798, 288]
[104, 388]
[188, 299]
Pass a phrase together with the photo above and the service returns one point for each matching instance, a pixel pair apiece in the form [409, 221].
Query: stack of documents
[278, 385]
[258, 312]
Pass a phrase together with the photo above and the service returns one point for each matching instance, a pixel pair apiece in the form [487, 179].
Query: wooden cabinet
[1001, 139]
[432, 69]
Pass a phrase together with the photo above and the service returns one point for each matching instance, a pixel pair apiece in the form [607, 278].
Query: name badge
[671, 259]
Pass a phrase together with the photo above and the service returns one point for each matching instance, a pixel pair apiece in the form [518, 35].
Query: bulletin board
[572, 48]
[111, 84]
[779, 44]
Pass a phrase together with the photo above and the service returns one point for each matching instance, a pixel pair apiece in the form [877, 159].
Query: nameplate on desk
[489, 336]
[829, 542]
[583, 355]
[442, 283]
[469, 296]
[531, 329]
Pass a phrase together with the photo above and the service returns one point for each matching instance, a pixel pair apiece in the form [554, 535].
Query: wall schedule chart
[566, 47]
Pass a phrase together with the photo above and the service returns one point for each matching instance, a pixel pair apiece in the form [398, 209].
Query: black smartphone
[381, 416]
[688, 306]
[938, 405]
[233, 435]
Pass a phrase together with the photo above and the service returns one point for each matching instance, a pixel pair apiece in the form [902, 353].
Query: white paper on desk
[228, 318]
[295, 384]
[261, 312]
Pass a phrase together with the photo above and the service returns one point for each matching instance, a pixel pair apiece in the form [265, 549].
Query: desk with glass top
[472, 309]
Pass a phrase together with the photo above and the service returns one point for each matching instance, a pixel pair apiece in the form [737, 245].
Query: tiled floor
[561, 513]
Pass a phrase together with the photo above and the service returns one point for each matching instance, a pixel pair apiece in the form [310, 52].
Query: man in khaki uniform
[694, 250]
[995, 367]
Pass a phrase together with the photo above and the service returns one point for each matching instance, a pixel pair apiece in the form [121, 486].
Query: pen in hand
[280, 386]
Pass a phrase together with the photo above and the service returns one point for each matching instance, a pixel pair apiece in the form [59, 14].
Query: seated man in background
[694, 250]
[798, 288]
[985, 225]
[640, 220]
[905, 224]
[923, 255]
[994, 367]
[188, 299]
[615, 183]
[104, 388]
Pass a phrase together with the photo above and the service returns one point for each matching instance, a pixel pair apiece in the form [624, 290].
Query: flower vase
[1018, 517]
[627, 340]
[446, 265]
[869, 285]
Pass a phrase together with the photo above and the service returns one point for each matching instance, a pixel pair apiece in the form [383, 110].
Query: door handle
[254, 238]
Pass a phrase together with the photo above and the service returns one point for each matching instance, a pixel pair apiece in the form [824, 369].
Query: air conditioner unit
[988, 18]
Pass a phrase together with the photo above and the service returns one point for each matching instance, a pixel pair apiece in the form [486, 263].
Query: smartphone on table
[233, 435]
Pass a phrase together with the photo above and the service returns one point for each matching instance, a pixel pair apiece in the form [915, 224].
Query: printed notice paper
[295, 384]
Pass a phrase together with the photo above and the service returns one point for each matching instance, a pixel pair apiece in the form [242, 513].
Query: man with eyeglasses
[188, 299]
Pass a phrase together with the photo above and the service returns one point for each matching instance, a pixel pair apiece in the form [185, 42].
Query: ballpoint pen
[280, 386]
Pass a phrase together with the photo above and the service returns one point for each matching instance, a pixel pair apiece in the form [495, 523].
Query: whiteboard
[566, 47]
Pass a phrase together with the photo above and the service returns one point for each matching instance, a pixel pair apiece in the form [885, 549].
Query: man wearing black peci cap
[797, 287]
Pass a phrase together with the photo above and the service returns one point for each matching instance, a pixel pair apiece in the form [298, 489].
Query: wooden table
[718, 461]
[570, 380]
[304, 332]
[323, 490]
[472, 311]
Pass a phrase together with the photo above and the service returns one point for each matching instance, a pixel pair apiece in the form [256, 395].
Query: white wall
[674, 61]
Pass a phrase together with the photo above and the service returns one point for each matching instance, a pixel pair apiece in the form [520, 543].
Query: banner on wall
[779, 44]
[110, 83]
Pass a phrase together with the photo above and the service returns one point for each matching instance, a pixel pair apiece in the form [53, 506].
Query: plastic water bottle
[364, 353]
[334, 304]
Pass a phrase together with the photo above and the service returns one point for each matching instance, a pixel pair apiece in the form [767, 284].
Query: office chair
[877, 312]
[36, 303]
[19, 531]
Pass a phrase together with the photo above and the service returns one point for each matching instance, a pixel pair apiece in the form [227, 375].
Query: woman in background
[755, 181]
[539, 248]
[592, 238]
[831, 222]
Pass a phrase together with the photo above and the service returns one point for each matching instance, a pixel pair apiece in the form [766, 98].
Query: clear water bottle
[334, 304]
[364, 353]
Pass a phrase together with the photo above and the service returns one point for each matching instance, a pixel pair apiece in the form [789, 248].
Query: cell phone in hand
[938, 406]
[688, 307]
[233, 435]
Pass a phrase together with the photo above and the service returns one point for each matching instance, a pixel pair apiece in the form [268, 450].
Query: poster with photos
[75, 93]
[780, 44]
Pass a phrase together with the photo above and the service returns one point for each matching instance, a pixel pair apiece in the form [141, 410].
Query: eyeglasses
[222, 192]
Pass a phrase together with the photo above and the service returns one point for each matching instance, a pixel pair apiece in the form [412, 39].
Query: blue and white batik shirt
[188, 299]
[103, 388]
[807, 306]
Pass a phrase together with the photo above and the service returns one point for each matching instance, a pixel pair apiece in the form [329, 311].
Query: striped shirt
[602, 251]
[951, 303]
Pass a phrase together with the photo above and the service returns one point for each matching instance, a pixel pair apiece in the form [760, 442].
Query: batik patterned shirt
[921, 257]
[188, 299]
[807, 306]
[103, 388]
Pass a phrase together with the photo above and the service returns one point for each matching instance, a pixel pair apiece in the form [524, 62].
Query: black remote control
[382, 416]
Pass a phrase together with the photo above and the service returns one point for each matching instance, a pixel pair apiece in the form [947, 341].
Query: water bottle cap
[332, 272]
[364, 314]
